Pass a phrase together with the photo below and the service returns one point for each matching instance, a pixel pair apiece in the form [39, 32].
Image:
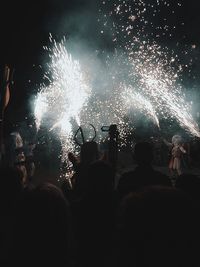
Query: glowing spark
[134, 100]
[41, 107]
[140, 75]
[152, 73]
[106, 110]
[160, 85]
[62, 101]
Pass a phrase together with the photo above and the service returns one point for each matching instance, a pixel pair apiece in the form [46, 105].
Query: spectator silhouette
[94, 215]
[143, 174]
[100, 179]
[89, 153]
[157, 226]
[43, 228]
[189, 183]
[10, 193]
[11, 186]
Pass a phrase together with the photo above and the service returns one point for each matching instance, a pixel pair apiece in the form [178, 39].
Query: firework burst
[62, 100]
[153, 71]
[141, 75]
[133, 100]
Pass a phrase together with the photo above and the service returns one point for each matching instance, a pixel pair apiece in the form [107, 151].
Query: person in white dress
[177, 151]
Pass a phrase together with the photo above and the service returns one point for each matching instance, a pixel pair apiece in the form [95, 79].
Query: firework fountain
[60, 103]
[145, 77]
[154, 71]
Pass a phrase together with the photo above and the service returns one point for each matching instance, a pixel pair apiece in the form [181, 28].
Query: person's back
[189, 183]
[94, 215]
[11, 189]
[144, 174]
[89, 153]
[157, 226]
[42, 229]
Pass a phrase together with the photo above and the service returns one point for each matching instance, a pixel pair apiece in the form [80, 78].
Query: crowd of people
[141, 219]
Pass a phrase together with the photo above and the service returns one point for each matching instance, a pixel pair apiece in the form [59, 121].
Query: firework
[140, 75]
[104, 110]
[135, 101]
[153, 71]
[62, 100]
[157, 80]
[41, 107]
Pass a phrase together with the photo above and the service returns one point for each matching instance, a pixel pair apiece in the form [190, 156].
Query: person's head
[177, 140]
[89, 152]
[143, 153]
[44, 225]
[100, 177]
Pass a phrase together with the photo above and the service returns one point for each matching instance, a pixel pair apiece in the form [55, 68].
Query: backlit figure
[177, 151]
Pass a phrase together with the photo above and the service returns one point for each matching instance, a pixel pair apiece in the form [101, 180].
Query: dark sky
[26, 26]
[25, 29]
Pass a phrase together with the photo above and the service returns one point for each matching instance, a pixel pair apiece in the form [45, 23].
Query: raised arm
[167, 143]
[183, 150]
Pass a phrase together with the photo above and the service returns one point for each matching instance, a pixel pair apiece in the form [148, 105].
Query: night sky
[25, 29]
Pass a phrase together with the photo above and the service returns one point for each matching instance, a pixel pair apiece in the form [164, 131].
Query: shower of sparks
[136, 20]
[140, 75]
[158, 81]
[104, 110]
[62, 101]
[135, 101]
[153, 71]
[41, 107]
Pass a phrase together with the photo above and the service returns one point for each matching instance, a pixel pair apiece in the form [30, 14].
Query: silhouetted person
[143, 174]
[157, 226]
[189, 183]
[15, 156]
[94, 216]
[28, 131]
[43, 228]
[11, 189]
[89, 153]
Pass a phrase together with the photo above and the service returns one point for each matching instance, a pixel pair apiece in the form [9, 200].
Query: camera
[112, 130]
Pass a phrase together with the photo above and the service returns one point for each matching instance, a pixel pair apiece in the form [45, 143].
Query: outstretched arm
[167, 143]
[183, 150]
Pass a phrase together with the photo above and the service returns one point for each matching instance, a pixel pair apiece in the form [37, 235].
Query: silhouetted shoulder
[141, 177]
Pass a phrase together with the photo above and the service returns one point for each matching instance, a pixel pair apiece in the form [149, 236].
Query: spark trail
[63, 99]
[153, 71]
[141, 75]
[134, 100]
